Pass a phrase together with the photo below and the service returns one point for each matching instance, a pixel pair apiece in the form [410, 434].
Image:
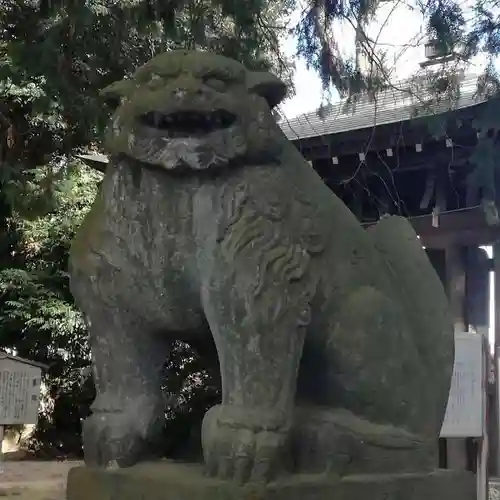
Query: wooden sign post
[466, 411]
[19, 392]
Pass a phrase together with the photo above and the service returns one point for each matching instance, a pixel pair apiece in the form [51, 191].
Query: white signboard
[465, 411]
[19, 391]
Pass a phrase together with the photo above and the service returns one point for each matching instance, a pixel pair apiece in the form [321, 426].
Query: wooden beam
[456, 292]
[467, 227]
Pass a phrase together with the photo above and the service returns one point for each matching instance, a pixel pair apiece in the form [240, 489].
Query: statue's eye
[216, 84]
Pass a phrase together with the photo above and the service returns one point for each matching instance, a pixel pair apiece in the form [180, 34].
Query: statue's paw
[109, 437]
[244, 444]
[121, 436]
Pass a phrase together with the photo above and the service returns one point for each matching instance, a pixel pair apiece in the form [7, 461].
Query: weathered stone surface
[210, 225]
[338, 441]
[165, 481]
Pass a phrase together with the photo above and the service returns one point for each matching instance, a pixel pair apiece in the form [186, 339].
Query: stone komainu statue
[334, 343]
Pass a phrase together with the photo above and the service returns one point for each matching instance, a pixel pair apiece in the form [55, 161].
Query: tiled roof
[390, 106]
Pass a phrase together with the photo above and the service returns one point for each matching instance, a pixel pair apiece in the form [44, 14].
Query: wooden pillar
[478, 290]
[456, 285]
[456, 291]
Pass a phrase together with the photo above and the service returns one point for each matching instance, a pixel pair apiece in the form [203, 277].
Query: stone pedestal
[173, 481]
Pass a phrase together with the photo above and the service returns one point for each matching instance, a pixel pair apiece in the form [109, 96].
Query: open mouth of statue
[184, 123]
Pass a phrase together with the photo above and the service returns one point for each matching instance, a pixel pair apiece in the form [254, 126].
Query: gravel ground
[34, 480]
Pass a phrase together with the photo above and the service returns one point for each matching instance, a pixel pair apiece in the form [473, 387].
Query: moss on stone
[174, 63]
[89, 233]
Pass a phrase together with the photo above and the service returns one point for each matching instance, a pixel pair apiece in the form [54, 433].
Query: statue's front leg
[127, 357]
[128, 413]
[259, 342]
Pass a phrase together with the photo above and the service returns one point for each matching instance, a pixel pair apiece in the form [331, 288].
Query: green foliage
[37, 318]
[191, 386]
[55, 57]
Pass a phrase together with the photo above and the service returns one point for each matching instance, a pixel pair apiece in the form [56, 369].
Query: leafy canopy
[55, 57]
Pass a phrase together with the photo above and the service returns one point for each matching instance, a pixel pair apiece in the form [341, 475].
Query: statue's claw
[240, 450]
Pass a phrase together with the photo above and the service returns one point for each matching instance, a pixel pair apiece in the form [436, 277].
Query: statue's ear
[268, 86]
[113, 94]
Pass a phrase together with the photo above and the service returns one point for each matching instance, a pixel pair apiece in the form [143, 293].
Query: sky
[399, 31]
